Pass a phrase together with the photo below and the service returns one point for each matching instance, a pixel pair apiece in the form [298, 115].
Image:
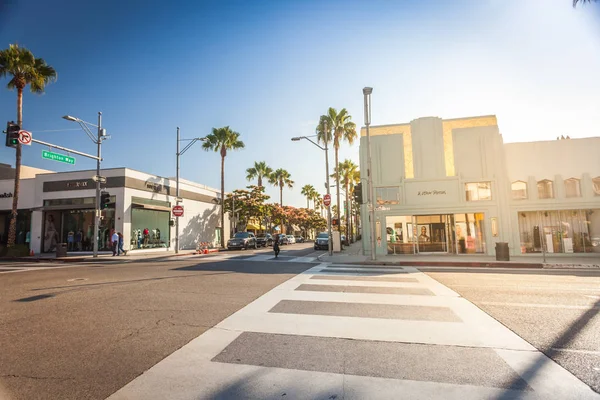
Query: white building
[61, 206]
[453, 186]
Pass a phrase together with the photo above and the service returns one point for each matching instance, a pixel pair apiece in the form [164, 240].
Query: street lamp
[177, 198]
[371, 196]
[325, 149]
[101, 135]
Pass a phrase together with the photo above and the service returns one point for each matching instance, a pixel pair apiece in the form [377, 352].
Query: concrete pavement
[354, 332]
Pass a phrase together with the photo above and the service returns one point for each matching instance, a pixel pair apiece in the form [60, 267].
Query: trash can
[502, 251]
[61, 250]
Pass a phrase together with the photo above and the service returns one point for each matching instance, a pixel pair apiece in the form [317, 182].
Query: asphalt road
[556, 311]
[83, 332]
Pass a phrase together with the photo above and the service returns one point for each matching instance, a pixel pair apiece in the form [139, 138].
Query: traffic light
[104, 199]
[334, 222]
[12, 134]
[358, 193]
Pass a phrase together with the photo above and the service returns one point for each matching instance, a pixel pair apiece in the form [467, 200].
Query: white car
[291, 239]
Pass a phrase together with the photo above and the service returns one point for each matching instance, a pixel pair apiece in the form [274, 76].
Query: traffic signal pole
[97, 219]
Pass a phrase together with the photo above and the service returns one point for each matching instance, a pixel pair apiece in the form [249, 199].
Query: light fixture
[70, 118]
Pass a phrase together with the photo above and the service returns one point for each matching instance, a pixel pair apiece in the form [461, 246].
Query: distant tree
[347, 170]
[308, 191]
[248, 203]
[221, 140]
[281, 178]
[581, 1]
[260, 170]
[24, 69]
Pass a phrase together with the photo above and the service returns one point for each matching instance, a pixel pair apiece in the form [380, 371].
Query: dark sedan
[322, 241]
[242, 240]
[264, 240]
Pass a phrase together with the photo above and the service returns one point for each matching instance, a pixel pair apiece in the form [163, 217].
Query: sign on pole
[178, 211]
[327, 200]
[25, 137]
[57, 157]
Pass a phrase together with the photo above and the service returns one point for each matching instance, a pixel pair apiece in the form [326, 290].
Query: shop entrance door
[434, 233]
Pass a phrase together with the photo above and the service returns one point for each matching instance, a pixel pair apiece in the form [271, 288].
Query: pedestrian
[120, 248]
[114, 242]
[276, 245]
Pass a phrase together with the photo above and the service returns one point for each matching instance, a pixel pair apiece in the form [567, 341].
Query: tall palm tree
[308, 191]
[354, 180]
[221, 140]
[260, 170]
[339, 128]
[281, 178]
[25, 69]
[315, 196]
[347, 171]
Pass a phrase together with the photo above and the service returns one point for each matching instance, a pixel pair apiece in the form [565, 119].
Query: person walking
[114, 242]
[276, 245]
[120, 248]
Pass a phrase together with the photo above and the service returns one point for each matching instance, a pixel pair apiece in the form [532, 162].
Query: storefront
[59, 208]
[454, 187]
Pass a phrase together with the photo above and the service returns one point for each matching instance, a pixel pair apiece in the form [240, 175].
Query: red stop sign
[327, 200]
[178, 211]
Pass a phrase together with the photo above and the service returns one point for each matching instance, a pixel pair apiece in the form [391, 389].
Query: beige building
[453, 186]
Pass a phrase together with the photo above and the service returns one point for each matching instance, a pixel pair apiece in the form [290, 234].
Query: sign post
[178, 211]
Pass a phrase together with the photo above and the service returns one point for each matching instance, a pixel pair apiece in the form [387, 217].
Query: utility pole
[371, 200]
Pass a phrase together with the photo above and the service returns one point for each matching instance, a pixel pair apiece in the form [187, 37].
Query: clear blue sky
[268, 69]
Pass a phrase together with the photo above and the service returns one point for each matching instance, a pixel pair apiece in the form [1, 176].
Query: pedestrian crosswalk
[357, 332]
[269, 257]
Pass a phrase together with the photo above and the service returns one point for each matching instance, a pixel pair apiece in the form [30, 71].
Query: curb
[467, 264]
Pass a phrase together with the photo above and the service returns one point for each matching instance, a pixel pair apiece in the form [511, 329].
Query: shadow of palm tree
[201, 228]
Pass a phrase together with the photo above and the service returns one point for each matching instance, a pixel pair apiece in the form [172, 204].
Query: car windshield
[241, 235]
[323, 236]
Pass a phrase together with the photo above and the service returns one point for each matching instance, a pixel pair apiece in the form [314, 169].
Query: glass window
[519, 190]
[545, 189]
[572, 187]
[477, 191]
[469, 233]
[387, 195]
[149, 228]
[398, 236]
[596, 185]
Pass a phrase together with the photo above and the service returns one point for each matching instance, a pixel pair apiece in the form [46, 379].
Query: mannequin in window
[70, 240]
[50, 235]
[146, 236]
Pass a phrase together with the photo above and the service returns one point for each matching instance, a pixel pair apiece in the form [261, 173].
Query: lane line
[538, 305]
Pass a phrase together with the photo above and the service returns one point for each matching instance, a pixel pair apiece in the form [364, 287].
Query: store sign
[77, 184]
[432, 192]
[155, 187]
[6, 195]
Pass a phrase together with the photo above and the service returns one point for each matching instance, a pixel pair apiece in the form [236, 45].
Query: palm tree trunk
[259, 181]
[347, 213]
[12, 229]
[307, 202]
[337, 188]
[281, 195]
[222, 202]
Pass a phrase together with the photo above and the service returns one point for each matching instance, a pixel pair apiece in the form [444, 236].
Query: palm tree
[221, 140]
[315, 196]
[339, 128]
[308, 191]
[281, 178]
[25, 69]
[260, 170]
[354, 180]
[347, 171]
[581, 1]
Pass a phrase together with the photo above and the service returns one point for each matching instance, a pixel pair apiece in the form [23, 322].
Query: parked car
[322, 241]
[242, 240]
[264, 240]
[282, 239]
[291, 239]
[299, 239]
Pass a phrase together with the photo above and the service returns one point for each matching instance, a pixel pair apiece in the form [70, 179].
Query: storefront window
[519, 190]
[399, 235]
[596, 185]
[476, 191]
[545, 189]
[567, 231]
[572, 187]
[387, 195]
[469, 233]
[23, 226]
[149, 228]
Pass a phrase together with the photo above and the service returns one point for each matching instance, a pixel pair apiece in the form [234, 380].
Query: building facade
[59, 208]
[453, 186]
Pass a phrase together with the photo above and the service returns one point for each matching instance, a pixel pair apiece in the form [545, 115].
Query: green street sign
[58, 157]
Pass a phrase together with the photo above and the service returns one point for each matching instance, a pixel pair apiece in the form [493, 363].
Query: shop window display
[565, 231]
[150, 229]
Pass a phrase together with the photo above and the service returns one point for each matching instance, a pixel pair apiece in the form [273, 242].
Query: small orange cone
[31, 253]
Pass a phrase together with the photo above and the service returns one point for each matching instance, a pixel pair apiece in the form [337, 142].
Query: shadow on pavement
[562, 341]
[583, 273]
[250, 267]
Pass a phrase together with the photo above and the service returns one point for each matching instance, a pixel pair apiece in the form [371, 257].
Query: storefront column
[37, 219]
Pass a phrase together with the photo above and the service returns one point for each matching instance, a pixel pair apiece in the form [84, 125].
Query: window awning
[253, 226]
[150, 207]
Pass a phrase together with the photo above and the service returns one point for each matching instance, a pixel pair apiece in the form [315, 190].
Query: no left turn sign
[25, 137]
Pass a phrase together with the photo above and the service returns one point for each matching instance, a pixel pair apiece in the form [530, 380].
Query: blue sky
[268, 69]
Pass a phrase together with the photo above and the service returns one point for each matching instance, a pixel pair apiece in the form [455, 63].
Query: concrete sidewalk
[105, 256]
[353, 255]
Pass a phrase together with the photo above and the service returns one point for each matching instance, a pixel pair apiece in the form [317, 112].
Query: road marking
[523, 287]
[536, 305]
[591, 352]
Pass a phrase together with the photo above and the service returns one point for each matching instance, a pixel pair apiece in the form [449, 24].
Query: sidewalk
[104, 256]
[353, 255]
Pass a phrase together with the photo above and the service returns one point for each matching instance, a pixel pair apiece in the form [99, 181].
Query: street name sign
[327, 200]
[57, 157]
[178, 211]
